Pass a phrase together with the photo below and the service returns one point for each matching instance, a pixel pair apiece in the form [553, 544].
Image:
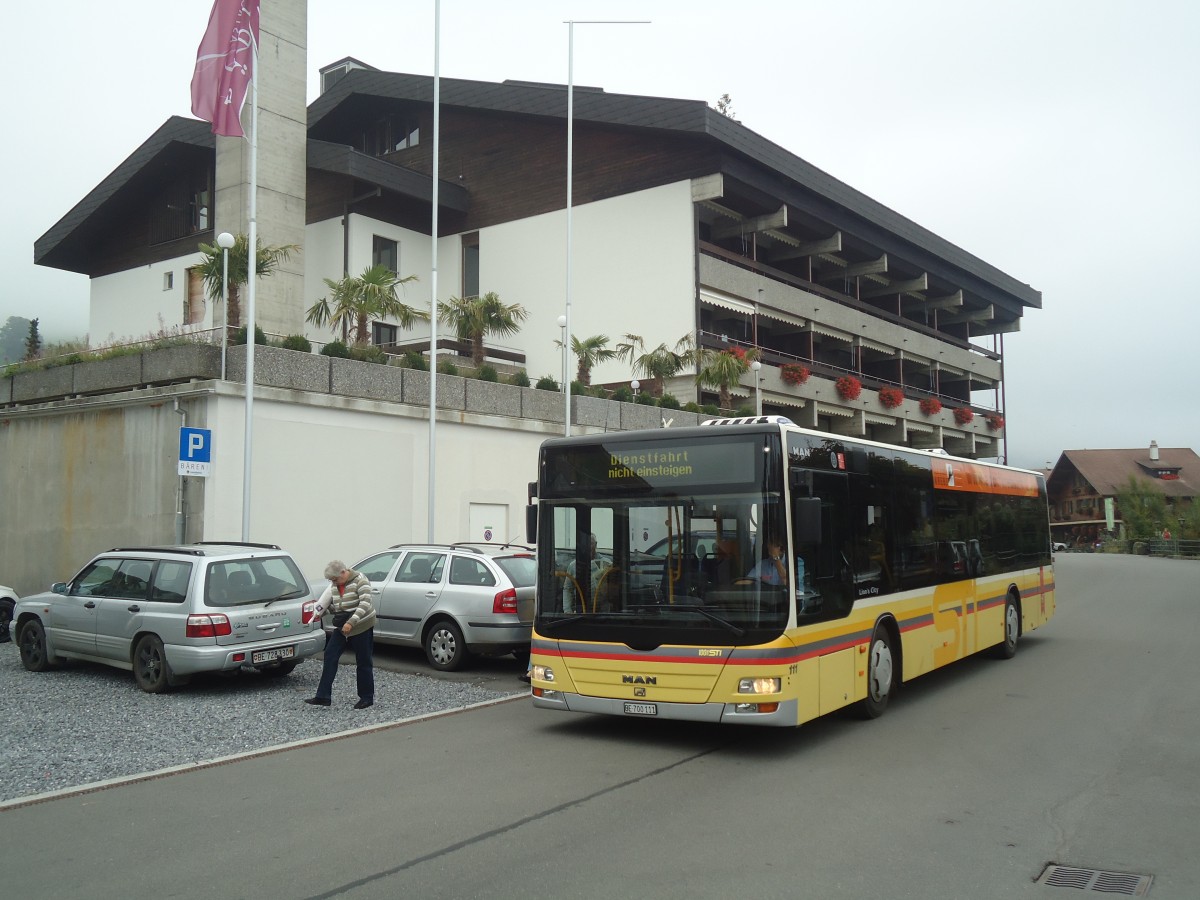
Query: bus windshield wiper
[735, 630]
[552, 624]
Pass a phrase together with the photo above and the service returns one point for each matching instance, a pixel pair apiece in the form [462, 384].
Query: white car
[1055, 546]
[8, 602]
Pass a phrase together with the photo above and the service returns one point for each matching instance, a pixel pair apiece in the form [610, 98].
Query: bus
[749, 571]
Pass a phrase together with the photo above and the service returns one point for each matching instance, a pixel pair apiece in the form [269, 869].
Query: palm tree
[473, 318]
[659, 364]
[359, 298]
[212, 270]
[590, 352]
[722, 369]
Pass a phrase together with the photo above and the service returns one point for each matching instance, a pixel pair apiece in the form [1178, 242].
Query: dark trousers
[363, 646]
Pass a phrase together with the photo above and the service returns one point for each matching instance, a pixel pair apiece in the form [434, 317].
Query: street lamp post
[225, 242]
[634, 386]
[562, 330]
[757, 367]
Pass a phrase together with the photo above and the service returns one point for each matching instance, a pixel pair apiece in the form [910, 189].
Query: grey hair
[335, 568]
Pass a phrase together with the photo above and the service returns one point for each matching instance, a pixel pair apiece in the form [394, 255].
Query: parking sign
[195, 451]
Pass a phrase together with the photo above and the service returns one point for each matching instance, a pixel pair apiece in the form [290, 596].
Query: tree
[725, 107]
[1143, 510]
[658, 364]
[212, 270]
[12, 339]
[722, 369]
[33, 341]
[473, 318]
[590, 352]
[359, 298]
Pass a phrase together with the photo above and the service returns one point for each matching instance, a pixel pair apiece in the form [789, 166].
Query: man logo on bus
[949, 475]
[638, 679]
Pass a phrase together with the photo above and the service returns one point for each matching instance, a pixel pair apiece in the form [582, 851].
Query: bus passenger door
[828, 574]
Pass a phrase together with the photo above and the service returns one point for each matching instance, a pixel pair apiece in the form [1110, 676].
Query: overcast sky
[1058, 140]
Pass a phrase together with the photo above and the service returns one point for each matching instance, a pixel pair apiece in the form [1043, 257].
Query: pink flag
[225, 65]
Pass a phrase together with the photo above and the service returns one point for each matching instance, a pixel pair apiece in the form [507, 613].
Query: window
[383, 335]
[421, 568]
[171, 582]
[464, 570]
[168, 281]
[377, 567]
[470, 264]
[385, 252]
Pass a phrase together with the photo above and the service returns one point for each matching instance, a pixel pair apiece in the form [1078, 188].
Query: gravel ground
[84, 723]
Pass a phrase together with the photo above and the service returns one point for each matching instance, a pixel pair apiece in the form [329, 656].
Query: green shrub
[546, 383]
[711, 409]
[239, 336]
[645, 398]
[668, 401]
[296, 342]
[445, 367]
[622, 394]
[414, 360]
[520, 379]
[578, 388]
[746, 409]
[691, 406]
[367, 353]
[487, 373]
[336, 349]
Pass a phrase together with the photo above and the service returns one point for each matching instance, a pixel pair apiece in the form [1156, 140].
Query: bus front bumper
[783, 716]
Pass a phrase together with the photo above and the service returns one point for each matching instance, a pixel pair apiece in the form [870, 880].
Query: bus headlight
[759, 686]
[545, 673]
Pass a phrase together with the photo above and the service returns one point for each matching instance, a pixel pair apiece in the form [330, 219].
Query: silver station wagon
[167, 613]
[453, 600]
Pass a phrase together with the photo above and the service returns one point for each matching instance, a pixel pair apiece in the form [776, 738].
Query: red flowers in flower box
[995, 421]
[848, 387]
[891, 397]
[931, 406]
[793, 373]
[963, 415]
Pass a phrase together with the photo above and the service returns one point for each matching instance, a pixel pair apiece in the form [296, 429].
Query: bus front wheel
[881, 675]
[1007, 648]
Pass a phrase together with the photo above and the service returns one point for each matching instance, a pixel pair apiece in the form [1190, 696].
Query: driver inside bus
[772, 569]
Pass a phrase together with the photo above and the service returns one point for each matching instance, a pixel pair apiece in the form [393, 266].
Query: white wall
[132, 305]
[338, 477]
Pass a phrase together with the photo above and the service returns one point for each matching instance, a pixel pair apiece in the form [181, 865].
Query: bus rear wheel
[881, 675]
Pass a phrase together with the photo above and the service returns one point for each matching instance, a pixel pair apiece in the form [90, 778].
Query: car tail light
[208, 626]
[505, 602]
[306, 614]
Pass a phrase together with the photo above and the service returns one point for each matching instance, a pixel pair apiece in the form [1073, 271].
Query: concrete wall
[339, 462]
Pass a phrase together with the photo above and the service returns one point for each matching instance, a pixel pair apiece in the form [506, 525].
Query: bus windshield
[648, 543]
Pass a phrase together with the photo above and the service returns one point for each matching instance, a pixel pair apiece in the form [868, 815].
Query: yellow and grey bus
[750, 571]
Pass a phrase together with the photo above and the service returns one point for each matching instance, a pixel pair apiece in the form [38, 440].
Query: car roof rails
[472, 544]
[238, 544]
[189, 551]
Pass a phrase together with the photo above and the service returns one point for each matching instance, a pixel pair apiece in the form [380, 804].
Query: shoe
[318, 701]
[524, 676]
[363, 704]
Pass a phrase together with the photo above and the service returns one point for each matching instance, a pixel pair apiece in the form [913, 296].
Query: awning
[785, 317]
[726, 302]
[874, 419]
[918, 427]
[824, 409]
[830, 332]
[879, 348]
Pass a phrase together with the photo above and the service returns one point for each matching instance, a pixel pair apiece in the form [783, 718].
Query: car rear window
[521, 570]
[237, 582]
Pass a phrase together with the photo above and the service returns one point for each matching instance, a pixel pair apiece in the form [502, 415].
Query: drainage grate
[1096, 881]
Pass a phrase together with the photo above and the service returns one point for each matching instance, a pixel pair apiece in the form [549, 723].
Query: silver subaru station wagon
[454, 600]
[167, 613]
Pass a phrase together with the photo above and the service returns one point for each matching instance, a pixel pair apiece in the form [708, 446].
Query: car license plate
[262, 656]
[641, 709]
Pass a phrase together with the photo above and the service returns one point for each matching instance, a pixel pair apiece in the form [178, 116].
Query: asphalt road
[1081, 751]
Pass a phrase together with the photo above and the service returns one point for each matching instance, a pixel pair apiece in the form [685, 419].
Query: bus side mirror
[806, 520]
[531, 524]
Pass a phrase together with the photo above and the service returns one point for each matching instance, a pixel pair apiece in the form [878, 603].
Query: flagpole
[250, 279]
[433, 302]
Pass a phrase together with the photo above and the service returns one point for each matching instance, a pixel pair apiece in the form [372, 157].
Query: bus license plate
[641, 709]
[262, 656]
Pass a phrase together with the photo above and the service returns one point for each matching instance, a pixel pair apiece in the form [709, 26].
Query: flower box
[890, 397]
[848, 387]
[995, 421]
[963, 415]
[793, 374]
[931, 406]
